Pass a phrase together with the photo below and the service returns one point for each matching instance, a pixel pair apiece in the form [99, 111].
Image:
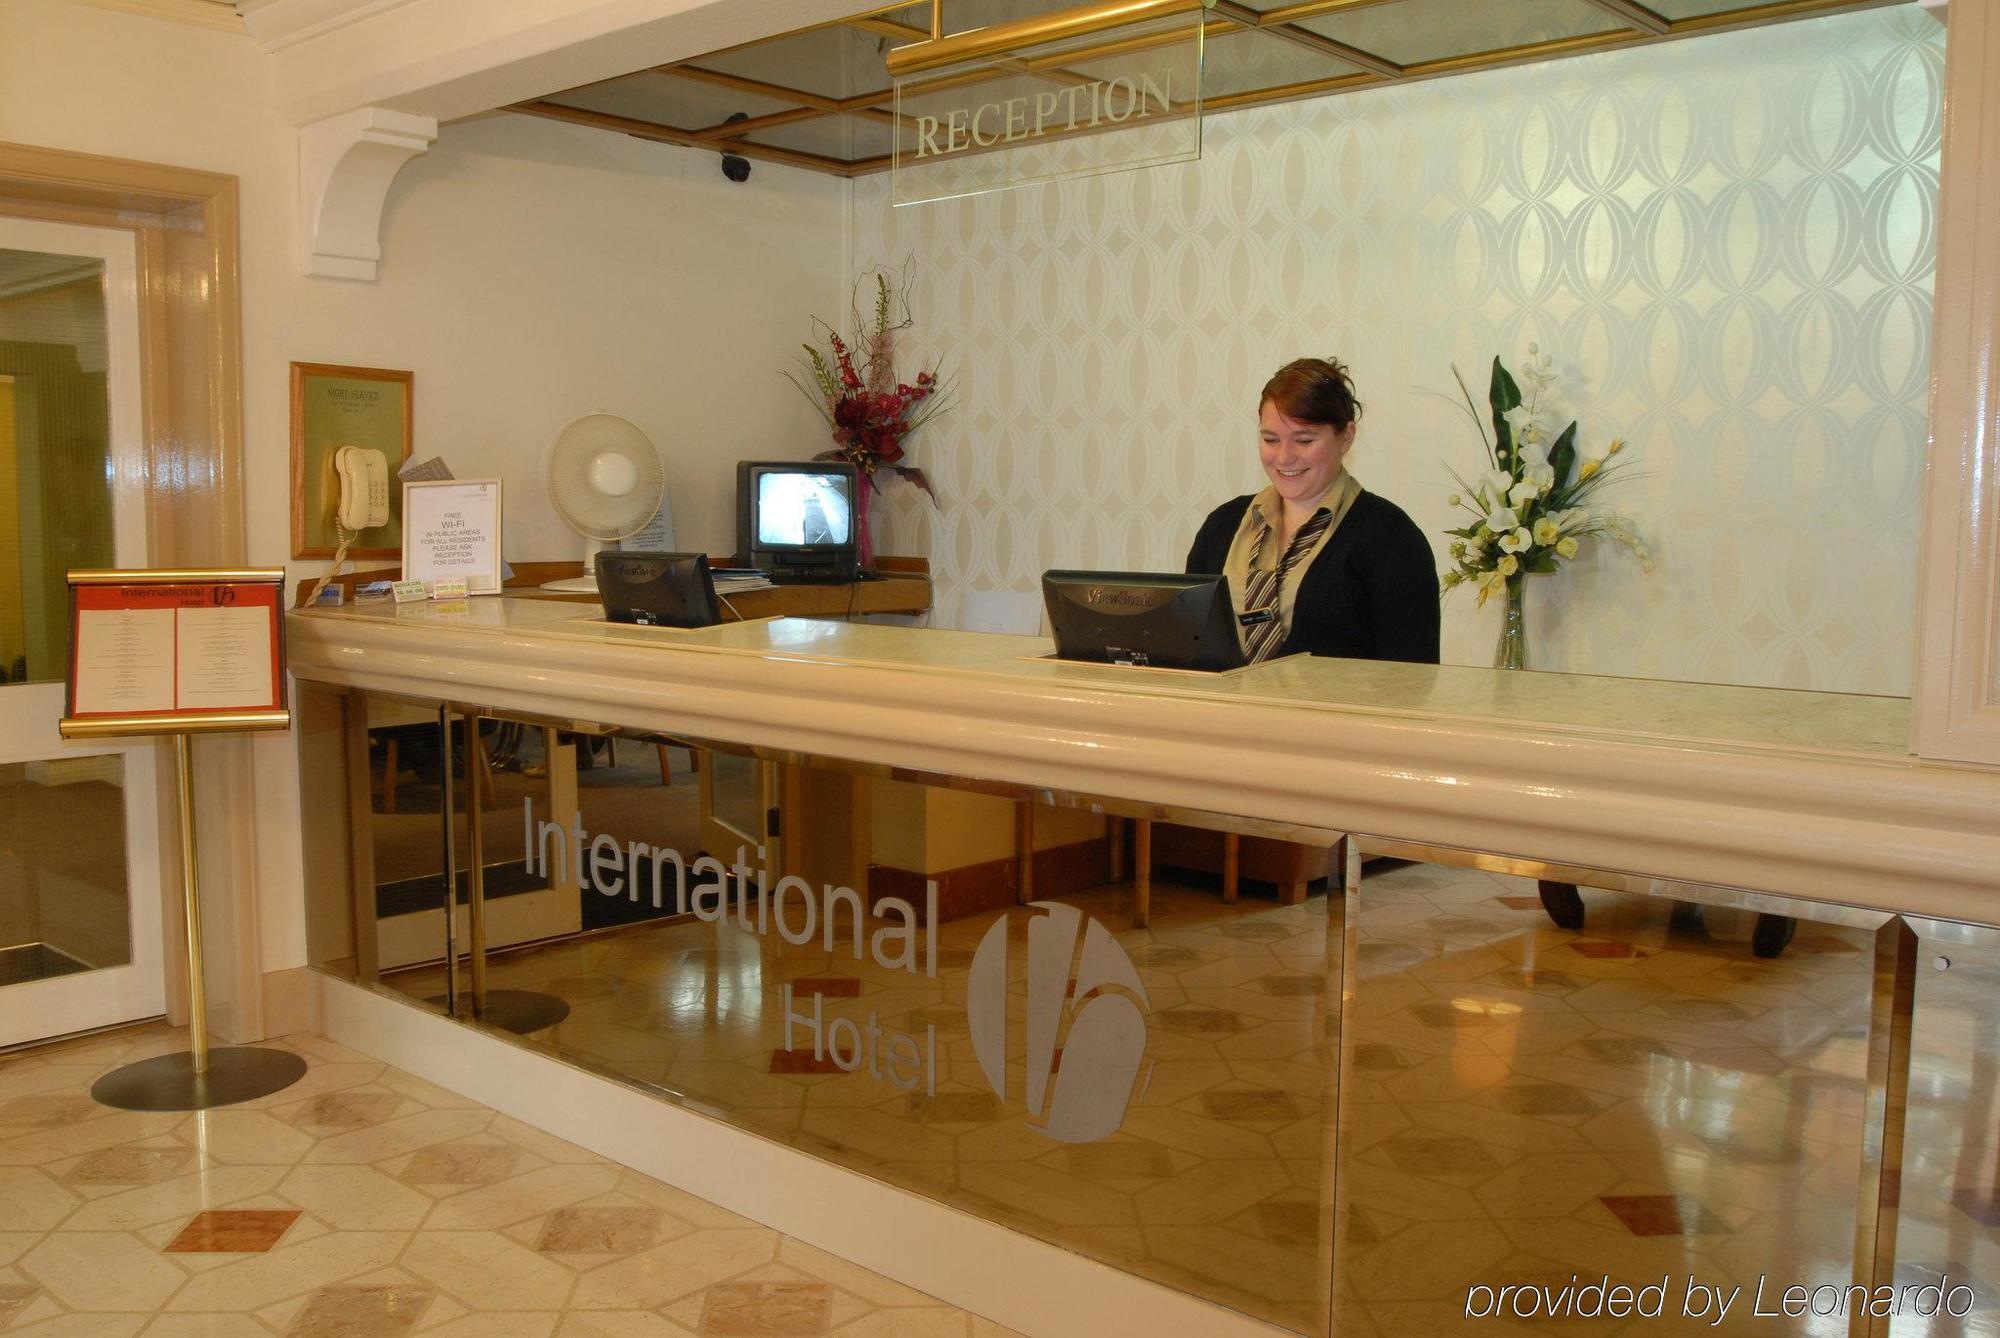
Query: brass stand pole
[191, 904]
[475, 831]
[196, 1078]
[448, 821]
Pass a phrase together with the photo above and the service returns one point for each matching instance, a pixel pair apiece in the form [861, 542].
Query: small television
[657, 589]
[1158, 619]
[795, 519]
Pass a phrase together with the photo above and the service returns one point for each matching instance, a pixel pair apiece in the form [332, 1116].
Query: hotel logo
[1078, 1082]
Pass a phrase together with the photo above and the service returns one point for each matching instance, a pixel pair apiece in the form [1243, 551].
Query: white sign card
[451, 531]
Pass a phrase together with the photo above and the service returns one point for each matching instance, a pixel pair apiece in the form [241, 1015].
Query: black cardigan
[1371, 594]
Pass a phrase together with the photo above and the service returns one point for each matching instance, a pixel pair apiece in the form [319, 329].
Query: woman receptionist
[1315, 562]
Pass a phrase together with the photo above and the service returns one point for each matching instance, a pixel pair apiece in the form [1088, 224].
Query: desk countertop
[1783, 791]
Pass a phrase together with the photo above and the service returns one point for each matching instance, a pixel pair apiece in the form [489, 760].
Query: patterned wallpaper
[1726, 243]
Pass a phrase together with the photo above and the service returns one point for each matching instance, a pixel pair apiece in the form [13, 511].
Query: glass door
[79, 843]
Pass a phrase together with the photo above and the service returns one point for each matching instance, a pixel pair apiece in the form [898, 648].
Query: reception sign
[175, 651]
[1100, 102]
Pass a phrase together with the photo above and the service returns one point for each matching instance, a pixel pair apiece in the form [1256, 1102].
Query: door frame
[185, 226]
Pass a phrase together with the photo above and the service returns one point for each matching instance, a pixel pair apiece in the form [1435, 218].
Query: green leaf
[1543, 562]
[1562, 456]
[1503, 395]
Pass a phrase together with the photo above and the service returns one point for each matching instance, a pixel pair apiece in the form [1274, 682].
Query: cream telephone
[364, 488]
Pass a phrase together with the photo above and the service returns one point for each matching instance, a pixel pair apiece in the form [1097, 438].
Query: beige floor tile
[206, 1326]
[355, 1198]
[293, 1269]
[90, 1270]
[483, 1270]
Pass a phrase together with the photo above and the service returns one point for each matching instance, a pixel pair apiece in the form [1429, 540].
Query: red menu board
[167, 651]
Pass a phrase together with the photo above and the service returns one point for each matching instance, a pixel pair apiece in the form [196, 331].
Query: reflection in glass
[55, 456]
[63, 901]
[1645, 1100]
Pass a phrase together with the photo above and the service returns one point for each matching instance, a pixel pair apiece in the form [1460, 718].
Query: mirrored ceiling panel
[847, 138]
[1411, 32]
[669, 100]
[1243, 60]
[838, 61]
[802, 89]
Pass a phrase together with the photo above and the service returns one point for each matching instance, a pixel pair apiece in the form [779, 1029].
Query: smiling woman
[1317, 564]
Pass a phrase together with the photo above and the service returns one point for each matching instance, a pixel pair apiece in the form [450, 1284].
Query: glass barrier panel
[1642, 1119]
[1947, 1225]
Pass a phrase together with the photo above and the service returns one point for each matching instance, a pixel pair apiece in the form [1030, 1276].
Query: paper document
[125, 661]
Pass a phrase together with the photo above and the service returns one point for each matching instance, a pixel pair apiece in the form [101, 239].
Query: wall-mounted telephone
[364, 487]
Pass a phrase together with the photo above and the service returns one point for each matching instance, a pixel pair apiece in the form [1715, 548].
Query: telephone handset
[364, 487]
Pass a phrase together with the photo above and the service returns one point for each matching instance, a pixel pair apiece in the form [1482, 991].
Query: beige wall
[531, 273]
[1725, 243]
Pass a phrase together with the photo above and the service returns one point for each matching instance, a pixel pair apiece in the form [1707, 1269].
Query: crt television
[659, 589]
[1159, 619]
[795, 518]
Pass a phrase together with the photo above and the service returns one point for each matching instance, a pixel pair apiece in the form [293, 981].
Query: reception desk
[1347, 1114]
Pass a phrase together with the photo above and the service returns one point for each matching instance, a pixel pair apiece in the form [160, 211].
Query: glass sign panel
[1108, 102]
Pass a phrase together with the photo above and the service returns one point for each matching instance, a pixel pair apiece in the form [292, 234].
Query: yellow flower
[1617, 445]
[1567, 547]
[1508, 565]
[1587, 468]
[1547, 531]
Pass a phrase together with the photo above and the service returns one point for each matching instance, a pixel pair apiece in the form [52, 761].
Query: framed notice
[451, 532]
[365, 407]
[175, 651]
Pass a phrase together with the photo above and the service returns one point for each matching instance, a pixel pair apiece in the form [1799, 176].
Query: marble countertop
[1803, 794]
[1676, 714]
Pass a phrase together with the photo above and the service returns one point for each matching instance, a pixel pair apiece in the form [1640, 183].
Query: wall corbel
[346, 163]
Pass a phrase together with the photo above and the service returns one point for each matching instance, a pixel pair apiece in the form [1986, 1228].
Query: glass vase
[1512, 652]
[864, 533]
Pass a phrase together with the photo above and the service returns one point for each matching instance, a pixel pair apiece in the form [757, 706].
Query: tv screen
[795, 519]
[1158, 619]
[659, 589]
[799, 509]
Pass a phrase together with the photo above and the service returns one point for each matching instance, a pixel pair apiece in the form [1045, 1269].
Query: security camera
[735, 166]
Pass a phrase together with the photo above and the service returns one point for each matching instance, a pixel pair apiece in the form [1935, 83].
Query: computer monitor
[659, 589]
[795, 518]
[1160, 619]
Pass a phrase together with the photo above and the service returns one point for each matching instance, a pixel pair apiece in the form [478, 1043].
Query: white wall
[1726, 243]
[531, 272]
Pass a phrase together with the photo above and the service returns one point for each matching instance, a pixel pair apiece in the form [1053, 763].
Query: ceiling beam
[797, 97]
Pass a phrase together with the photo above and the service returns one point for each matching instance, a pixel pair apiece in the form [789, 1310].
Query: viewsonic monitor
[795, 519]
[659, 589]
[1160, 619]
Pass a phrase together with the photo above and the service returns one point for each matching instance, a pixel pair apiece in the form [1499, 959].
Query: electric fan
[606, 482]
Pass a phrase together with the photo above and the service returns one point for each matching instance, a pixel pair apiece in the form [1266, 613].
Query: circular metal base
[169, 1082]
[518, 1011]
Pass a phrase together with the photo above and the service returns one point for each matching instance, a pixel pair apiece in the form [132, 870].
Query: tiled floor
[365, 1203]
[1521, 1103]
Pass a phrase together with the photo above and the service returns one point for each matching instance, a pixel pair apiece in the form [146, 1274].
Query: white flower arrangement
[1531, 508]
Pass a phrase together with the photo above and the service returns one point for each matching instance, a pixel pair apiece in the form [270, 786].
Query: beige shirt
[1265, 513]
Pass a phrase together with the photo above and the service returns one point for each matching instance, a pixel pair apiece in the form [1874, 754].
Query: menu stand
[182, 652]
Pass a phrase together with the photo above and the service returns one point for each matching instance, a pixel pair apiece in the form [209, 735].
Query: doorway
[80, 928]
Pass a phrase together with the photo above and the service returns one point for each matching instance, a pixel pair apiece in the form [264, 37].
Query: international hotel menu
[176, 646]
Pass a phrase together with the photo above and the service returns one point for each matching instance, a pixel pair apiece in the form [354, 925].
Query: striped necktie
[1267, 583]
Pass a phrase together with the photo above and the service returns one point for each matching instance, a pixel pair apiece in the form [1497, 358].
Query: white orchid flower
[1523, 493]
[1543, 476]
[1494, 484]
[1516, 541]
[1501, 519]
[1526, 426]
[1535, 454]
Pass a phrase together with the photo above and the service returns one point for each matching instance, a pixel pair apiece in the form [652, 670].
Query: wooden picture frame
[332, 407]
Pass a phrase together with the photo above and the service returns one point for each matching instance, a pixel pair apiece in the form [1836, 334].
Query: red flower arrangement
[869, 411]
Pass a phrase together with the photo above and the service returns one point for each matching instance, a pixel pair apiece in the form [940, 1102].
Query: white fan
[606, 482]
